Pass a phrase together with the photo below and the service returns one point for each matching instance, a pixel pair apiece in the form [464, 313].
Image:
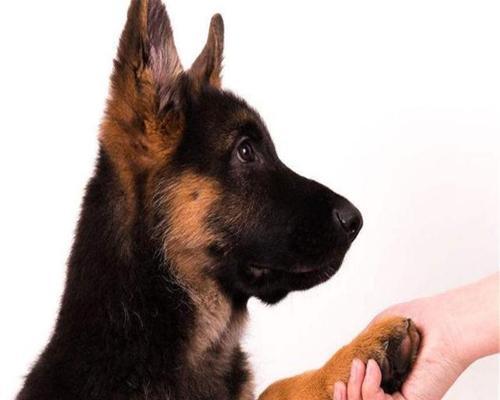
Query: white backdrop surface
[393, 104]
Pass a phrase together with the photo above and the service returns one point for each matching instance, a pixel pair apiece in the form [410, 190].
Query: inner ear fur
[147, 46]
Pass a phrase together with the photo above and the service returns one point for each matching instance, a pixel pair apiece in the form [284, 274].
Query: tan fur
[318, 384]
[189, 198]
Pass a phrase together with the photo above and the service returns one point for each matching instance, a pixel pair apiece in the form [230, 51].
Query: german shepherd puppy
[190, 213]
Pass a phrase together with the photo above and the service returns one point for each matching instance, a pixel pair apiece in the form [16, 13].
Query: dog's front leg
[392, 342]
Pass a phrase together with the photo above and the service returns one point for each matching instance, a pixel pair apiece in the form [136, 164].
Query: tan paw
[393, 343]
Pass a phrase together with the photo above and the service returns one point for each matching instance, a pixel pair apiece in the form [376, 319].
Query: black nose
[350, 220]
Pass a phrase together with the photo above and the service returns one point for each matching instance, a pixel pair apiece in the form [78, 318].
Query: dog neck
[118, 281]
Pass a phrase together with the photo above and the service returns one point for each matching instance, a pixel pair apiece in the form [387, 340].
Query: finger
[339, 391]
[371, 384]
[355, 380]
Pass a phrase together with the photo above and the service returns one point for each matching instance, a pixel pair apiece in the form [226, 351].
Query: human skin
[458, 327]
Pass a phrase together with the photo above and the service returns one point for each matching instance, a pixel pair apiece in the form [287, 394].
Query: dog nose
[350, 220]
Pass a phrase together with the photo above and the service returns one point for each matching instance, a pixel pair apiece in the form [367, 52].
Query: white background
[394, 104]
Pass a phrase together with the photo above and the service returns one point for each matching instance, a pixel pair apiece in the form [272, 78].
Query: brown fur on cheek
[189, 199]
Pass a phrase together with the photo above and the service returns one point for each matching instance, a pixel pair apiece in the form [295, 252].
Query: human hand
[437, 366]
[457, 328]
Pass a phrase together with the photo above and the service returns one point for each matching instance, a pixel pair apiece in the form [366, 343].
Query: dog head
[202, 164]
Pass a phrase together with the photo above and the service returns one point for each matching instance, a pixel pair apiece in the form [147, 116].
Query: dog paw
[393, 343]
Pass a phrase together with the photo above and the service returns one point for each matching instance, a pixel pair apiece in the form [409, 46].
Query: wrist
[470, 314]
[442, 332]
[457, 344]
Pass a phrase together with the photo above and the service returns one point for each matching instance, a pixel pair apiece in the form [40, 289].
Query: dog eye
[245, 151]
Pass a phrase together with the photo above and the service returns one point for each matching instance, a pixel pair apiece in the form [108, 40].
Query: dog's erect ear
[145, 112]
[207, 68]
[147, 49]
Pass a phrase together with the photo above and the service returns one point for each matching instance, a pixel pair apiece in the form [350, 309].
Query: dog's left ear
[207, 68]
[145, 114]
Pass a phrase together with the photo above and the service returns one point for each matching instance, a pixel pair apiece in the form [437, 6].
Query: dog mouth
[260, 270]
[297, 273]
[271, 283]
